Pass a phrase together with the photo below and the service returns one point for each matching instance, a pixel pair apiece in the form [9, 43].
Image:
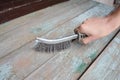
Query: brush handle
[80, 35]
[56, 41]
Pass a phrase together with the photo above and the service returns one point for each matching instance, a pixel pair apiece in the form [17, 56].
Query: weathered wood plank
[107, 65]
[22, 35]
[16, 9]
[25, 60]
[43, 14]
[70, 64]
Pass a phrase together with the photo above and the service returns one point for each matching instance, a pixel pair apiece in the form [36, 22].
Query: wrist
[114, 18]
[112, 21]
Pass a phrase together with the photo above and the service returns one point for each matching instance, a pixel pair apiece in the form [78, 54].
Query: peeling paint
[78, 65]
[35, 30]
[93, 55]
[81, 67]
[5, 71]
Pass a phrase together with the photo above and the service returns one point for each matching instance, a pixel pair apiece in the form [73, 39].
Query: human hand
[95, 28]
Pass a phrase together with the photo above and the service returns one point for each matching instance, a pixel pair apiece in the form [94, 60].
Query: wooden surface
[107, 66]
[12, 9]
[18, 59]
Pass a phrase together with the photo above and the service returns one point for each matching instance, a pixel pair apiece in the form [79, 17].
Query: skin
[98, 27]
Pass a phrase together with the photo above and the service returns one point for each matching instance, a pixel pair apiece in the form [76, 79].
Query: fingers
[80, 28]
[83, 29]
[88, 39]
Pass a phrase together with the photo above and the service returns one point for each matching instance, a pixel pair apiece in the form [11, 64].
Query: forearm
[114, 18]
[98, 27]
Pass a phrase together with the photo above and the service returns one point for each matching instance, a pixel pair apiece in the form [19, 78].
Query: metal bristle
[43, 47]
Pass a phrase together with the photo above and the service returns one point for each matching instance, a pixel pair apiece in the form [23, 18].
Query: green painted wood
[25, 60]
[71, 63]
[28, 32]
[107, 65]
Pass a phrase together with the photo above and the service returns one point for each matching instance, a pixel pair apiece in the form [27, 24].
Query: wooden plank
[23, 35]
[70, 64]
[38, 15]
[23, 61]
[5, 4]
[108, 2]
[107, 65]
[20, 10]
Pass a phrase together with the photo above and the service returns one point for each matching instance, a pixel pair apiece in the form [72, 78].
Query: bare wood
[108, 2]
[107, 65]
[38, 15]
[23, 35]
[19, 8]
[25, 60]
[70, 64]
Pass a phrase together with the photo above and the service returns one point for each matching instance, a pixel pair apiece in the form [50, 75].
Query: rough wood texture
[108, 2]
[26, 33]
[24, 60]
[17, 8]
[38, 15]
[18, 59]
[107, 66]
[71, 63]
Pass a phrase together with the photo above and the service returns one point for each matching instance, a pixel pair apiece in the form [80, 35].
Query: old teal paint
[81, 67]
[5, 71]
[43, 27]
[93, 55]
[78, 65]
[35, 30]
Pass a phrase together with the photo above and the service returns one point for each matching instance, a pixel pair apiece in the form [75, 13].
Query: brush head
[44, 47]
[47, 45]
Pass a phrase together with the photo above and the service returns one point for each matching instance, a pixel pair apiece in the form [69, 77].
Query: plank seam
[98, 55]
[54, 55]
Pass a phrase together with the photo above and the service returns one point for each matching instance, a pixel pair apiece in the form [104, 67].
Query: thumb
[88, 39]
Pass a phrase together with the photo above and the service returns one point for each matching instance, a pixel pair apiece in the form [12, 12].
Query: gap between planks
[43, 67]
[99, 55]
[107, 63]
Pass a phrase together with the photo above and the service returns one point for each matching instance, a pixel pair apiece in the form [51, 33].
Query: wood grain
[23, 35]
[43, 14]
[16, 9]
[108, 2]
[24, 60]
[107, 65]
[71, 63]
